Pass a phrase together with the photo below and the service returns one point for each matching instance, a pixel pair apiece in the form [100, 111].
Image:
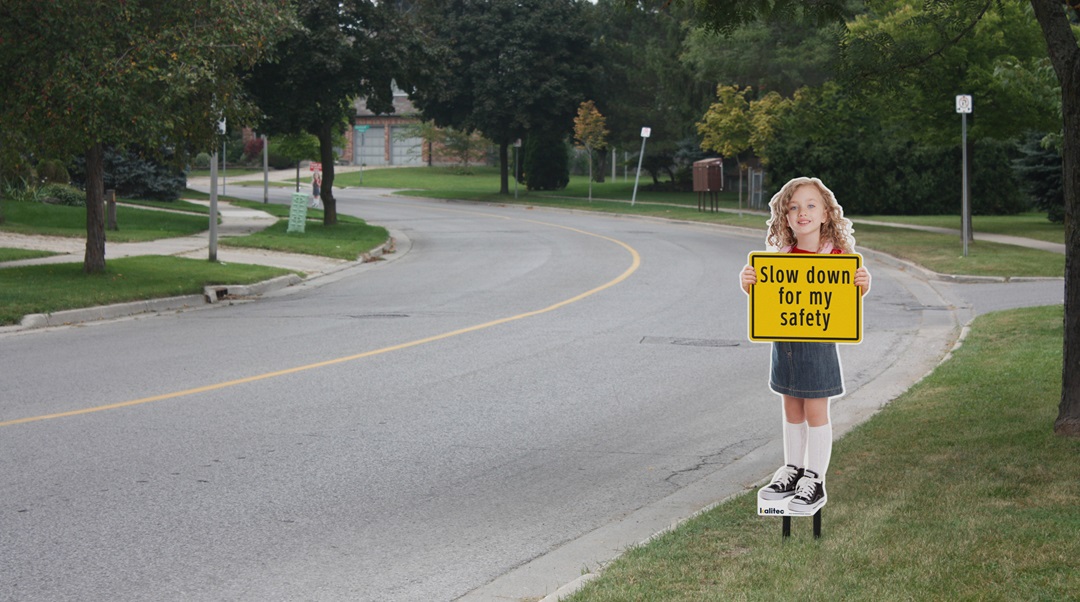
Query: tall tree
[953, 21]
[1064, 53]
[517, 65]
[590, 132]
[639, 79]
[898, 53]
[83, 75]
[780, 56]
[344, 49]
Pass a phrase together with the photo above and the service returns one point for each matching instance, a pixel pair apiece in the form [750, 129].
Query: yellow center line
[446, 335]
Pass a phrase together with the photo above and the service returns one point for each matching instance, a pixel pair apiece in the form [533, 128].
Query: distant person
[316, 189]
[805, 219]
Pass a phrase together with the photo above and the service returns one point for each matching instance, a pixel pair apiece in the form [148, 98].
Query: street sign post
[645, 133]
[517, 165]
[214, 193]
[964, 106]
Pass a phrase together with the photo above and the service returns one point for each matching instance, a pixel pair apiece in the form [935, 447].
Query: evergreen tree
[547, 161]
[1039, 170]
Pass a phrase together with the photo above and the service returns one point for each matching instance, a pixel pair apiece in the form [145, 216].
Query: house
[381, 140]
[378, 140]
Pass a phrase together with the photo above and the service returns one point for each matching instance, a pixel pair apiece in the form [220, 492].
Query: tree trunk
[326, 192]
[94, 259]
[504, 171]
[1065, 56]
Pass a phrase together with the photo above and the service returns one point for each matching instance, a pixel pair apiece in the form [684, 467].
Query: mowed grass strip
[7, 254]
[958, 490]
[944, 254]
[136, 225]
[348, 239]
[56, 287]
[1029, 225]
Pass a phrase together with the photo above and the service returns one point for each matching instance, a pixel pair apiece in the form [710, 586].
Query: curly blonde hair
[837, 229]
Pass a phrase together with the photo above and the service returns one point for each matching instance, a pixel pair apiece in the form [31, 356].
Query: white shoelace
[805, 488]
[783, 478]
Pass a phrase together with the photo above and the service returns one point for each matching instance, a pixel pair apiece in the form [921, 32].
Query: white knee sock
[795, 444]
[819, 448]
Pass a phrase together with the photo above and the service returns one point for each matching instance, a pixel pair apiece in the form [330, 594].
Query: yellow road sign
[805, 297]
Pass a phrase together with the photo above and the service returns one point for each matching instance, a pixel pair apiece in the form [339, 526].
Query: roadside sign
[963, 103]
[646, 132]
[314, 166]
[297, 213]
[805, 298]
[361, 128]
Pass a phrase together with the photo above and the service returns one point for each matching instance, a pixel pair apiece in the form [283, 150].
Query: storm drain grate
[690, 342]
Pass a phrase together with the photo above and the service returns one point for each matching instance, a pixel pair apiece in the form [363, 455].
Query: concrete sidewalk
[1004, 239]
[235, 221]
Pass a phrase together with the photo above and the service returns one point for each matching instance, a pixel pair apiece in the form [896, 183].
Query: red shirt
[835, 251]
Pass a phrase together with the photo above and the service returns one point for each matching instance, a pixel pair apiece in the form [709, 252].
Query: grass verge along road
[957, 490]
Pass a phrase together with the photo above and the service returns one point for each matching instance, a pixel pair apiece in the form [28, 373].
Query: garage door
[405, 150]
[371, 146]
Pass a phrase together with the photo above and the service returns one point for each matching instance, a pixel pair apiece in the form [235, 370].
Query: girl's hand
[862, 279]
[748, 277]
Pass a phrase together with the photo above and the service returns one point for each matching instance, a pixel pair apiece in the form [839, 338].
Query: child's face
[806, 210]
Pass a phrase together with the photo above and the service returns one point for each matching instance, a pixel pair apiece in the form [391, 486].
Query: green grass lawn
[957, 490]
[230, 171]
[17, 254]
[49, 288]
[1029, 225]
[183, 206]
[346, 240]
[135, 224]
[944, 253]
[941, 253]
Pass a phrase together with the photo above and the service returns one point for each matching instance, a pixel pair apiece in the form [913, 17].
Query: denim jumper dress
[807, 370]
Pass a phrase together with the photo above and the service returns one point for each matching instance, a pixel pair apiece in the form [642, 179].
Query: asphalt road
[515, 395]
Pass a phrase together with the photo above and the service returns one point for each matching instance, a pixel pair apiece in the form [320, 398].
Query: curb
[106, 312]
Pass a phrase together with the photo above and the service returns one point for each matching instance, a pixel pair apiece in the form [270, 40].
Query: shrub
[52, 171]
[62, 194]
[202, 161]
[253, 149]
[20, 190]
[17, 173]
[137, 174]
[891, 176]
[547, 162]
[278, 160]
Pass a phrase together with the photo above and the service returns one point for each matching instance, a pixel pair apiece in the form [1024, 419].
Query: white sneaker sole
[807, 510]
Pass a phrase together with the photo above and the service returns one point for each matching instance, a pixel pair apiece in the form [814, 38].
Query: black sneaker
[783, 484]
[809, 495]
